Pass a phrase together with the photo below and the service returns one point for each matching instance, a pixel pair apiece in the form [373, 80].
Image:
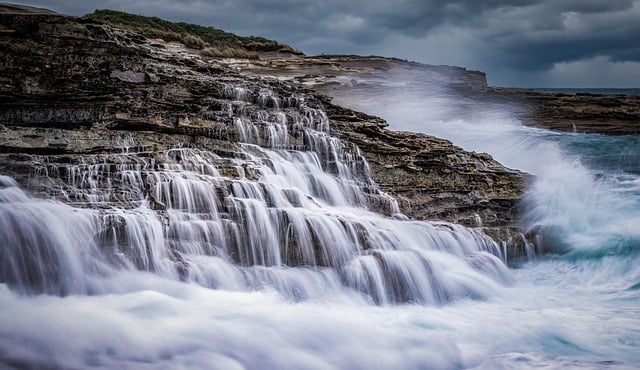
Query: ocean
[575, 307]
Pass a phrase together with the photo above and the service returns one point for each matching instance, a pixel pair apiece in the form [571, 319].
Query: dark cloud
[507, 37]
[574, 33]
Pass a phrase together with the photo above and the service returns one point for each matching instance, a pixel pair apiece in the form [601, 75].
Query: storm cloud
[576, 43]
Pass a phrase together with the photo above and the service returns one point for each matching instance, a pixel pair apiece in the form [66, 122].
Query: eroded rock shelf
[76, 92]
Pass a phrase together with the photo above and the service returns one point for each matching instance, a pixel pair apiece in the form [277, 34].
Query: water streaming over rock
[240, 232]
[297, 255]
[293, 209]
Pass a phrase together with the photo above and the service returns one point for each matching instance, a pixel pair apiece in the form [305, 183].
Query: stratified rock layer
[579, 112]
[432, 178]
[72, 91]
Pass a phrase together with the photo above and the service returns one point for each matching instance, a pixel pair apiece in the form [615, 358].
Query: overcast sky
[528, 43]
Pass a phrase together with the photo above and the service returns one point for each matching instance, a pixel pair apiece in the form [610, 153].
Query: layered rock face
[572, 112]
[98, 117]
[326, 72]
[581, 112]
[430, 177]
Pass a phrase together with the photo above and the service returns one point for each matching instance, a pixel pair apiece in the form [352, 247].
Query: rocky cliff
[579, 112]
[432, 178]
[76, 95]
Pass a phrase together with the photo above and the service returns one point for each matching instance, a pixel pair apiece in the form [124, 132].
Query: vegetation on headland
[211, 41]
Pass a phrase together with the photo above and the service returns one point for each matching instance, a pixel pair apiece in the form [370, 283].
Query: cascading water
[286, 232]
[291, 214]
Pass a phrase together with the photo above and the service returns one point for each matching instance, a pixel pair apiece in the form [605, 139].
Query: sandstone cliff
[580, 112]
[76, 92]
[432, 178]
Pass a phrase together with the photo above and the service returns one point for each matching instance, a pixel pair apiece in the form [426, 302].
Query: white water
[580, 308]
[313, 308]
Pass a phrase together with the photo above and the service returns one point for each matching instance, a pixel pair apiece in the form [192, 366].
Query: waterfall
[274, 249]
[294, 210]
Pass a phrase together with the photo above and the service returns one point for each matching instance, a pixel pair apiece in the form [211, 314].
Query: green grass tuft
[211, 41]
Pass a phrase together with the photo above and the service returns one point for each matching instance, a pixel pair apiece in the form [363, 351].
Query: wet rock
[72, 91]
[129, 76]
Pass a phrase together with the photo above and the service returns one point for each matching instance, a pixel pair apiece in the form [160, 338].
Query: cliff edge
[76, 92]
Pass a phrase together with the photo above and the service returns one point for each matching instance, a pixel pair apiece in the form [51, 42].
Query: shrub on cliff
[192, 35]
[193, 41]
[228, 52]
